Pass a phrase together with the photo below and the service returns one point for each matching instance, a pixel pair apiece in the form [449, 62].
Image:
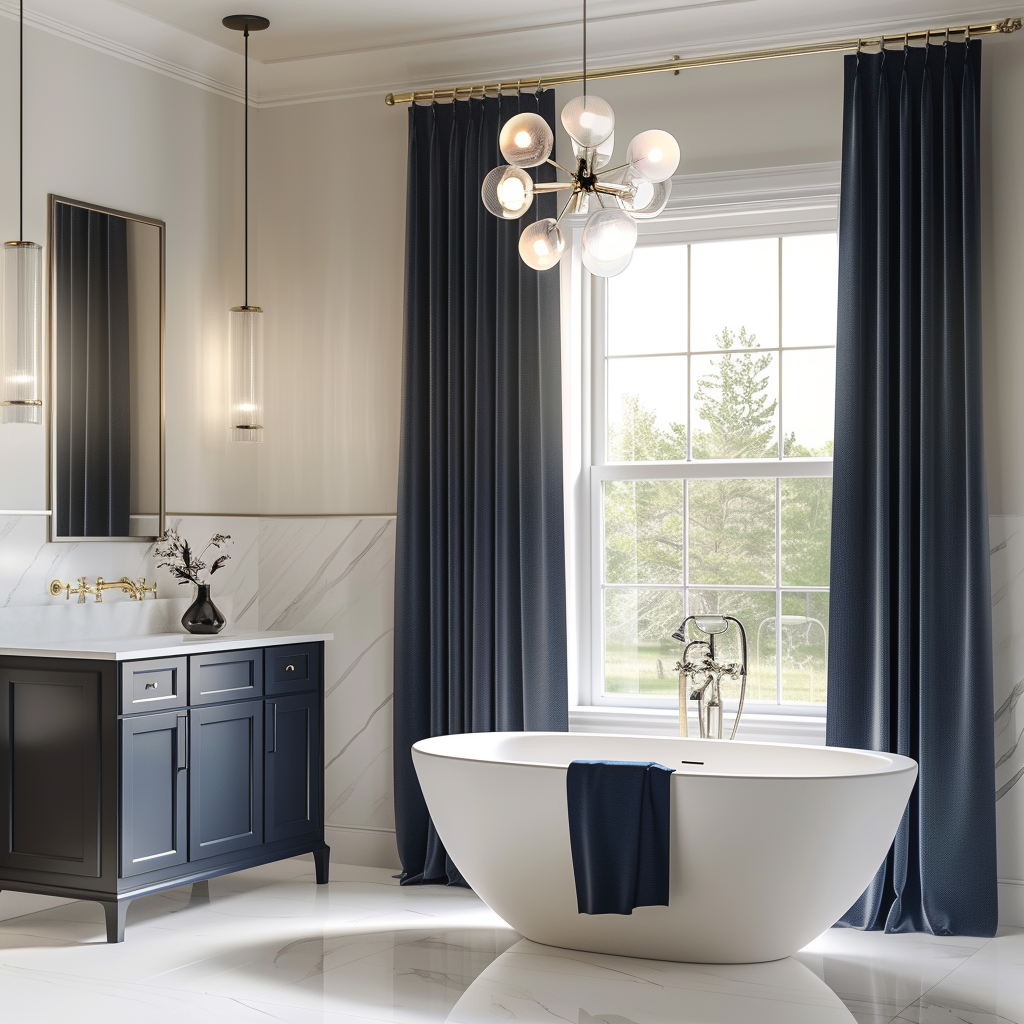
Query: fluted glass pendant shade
[245, 369]
[21, 356]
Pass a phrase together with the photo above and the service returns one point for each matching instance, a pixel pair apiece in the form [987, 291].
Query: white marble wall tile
[28, 563]
[1007, 542]
[336, 574]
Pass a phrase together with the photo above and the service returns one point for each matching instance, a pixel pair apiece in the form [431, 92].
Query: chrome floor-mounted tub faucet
[700, 674]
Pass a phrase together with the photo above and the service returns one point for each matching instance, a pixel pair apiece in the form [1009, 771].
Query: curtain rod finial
[1010, 25]
[390, 99]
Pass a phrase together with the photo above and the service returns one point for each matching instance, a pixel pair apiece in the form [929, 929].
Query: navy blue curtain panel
[910, 654]
[92, 412]
[480, 638]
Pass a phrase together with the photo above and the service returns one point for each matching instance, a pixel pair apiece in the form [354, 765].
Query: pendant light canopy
[245, 322]
[638, 189]
[21, 269]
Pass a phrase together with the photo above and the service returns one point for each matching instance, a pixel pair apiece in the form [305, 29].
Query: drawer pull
[152, 686]
[289, 668]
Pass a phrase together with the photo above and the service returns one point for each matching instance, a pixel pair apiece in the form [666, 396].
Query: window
[713, 408]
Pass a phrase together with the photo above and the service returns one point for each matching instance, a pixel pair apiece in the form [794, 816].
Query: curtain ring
[859, 44]
[540, 86]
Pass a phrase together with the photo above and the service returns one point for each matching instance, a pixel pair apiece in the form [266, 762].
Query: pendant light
[638, 189]
[21, 329]
[245, 322]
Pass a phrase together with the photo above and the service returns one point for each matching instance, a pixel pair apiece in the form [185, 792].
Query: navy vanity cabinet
[119, 779]
[292, 794]
[225, 779]
[51, 740]
[154, 795]
[225, 675]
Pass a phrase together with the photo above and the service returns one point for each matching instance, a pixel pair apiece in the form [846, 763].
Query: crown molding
[690, 30]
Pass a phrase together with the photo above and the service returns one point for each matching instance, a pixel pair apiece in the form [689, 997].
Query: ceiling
[320, 49]
[310, 28]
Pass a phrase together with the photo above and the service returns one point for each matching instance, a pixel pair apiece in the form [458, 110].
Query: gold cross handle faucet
[136, 591]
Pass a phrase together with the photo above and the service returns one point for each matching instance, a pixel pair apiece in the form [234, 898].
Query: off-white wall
[330, 182]
[109, 132]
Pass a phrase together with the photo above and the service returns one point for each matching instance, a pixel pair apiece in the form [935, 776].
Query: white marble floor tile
[986, 989]
[270, 945]
[878, 975]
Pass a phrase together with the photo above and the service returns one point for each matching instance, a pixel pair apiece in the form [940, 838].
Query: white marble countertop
[164, 645]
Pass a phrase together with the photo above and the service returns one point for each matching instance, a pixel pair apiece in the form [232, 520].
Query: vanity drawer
[292, 669]
[153, 685]
[228, 675]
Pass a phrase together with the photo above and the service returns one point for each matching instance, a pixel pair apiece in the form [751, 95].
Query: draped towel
[619, 833]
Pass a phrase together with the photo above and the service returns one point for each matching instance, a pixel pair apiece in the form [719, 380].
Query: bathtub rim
[897, 763]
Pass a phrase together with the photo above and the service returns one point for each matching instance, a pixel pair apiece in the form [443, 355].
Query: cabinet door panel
[225, 779]
[50, 770]
[227, 675]
[154, 806]
[292, 766]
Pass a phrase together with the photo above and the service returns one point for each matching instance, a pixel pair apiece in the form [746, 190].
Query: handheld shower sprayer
[700, 673]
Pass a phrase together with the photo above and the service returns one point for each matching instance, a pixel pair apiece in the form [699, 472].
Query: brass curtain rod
[676, 64]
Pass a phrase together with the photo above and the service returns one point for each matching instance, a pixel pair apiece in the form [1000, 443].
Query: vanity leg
[322, 862]
[115, 913]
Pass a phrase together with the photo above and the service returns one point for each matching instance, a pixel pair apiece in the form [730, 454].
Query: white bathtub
[771, 843]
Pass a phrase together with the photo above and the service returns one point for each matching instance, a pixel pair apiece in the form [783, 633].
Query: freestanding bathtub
[771, 843]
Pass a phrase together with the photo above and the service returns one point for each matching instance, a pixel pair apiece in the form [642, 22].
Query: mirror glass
[106, 324]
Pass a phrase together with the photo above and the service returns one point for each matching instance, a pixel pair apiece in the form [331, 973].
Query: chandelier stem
[584, 47]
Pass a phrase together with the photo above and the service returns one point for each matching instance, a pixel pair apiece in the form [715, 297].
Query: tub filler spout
[700, 674]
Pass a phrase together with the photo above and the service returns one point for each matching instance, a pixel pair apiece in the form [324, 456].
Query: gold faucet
[136, 591]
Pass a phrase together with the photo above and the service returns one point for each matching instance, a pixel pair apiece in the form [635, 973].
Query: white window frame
[762, 203]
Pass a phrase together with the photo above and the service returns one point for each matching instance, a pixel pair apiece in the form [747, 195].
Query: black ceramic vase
[203, 616]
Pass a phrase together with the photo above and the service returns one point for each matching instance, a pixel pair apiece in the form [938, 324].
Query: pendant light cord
[247, 166]
[21, 121]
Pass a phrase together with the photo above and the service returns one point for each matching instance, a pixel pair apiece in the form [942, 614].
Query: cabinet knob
[152, 686]
[289, 668]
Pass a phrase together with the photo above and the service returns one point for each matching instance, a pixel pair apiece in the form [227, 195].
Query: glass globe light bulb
[606, 268]
[600, 156]
[649, 199]
[507, 192]
[609, 235]
[653, 155]
[526, 140]
[541, 244]
[589, 120]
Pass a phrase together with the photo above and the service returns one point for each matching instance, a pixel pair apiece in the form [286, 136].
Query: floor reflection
[534, 984]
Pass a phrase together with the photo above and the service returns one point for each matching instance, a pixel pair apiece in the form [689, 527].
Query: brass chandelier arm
[541, 187]
[676, 64]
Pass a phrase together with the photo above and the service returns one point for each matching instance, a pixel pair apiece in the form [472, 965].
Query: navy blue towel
[619, 833]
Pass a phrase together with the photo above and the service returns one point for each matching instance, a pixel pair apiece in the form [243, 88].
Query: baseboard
[1011, 903]
[18, 904]
[367, 847]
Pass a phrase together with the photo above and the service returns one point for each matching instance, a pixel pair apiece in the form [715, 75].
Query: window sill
[775, 728]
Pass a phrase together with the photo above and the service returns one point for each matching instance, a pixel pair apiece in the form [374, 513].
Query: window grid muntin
[732, 469]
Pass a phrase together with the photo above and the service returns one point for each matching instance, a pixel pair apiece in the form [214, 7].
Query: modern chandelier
[637, 189]
[21, 340]
[245, 322]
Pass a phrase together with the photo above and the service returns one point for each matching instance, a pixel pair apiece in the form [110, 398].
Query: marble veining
[336, 574]
[269, 945]
[1007, 543]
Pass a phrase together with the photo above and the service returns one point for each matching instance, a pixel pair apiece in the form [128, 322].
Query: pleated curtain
[910, 654]
[480, 639]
